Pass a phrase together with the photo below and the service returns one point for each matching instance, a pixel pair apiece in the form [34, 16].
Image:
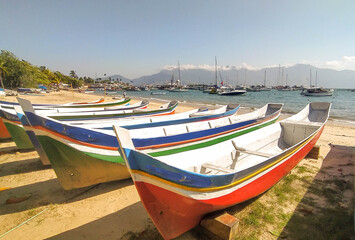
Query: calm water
[343, 101]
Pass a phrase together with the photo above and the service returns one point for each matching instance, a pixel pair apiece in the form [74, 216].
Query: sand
[105, 211]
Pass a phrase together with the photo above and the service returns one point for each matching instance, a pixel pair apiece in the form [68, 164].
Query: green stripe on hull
[19, 136]
[76, 169]
[109, 104]
[209, 143]
[108, 158]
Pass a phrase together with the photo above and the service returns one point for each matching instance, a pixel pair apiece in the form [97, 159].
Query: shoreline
[64, 96]
[153, 102]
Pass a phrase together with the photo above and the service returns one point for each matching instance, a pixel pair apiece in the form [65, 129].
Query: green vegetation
[15, 73]
[285, 212]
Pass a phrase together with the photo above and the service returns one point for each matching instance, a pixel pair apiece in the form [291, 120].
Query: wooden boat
[54, 111]
[4, 134]
[168, 108]
[95, 104]
[19, 136]
[84, 157]
[92, 102]
[31, 136]
[179, 189]
[194, 115]
[30, 141]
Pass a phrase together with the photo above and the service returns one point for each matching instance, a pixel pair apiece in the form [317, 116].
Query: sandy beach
[113, 210]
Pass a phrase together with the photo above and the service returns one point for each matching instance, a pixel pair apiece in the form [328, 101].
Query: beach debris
[13, 200]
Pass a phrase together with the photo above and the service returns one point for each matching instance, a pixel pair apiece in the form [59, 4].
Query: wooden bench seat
[214, 167]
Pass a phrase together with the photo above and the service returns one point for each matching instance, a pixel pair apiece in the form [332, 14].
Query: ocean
[343, 101]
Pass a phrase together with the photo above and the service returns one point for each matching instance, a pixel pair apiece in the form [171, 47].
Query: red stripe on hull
[174, 214]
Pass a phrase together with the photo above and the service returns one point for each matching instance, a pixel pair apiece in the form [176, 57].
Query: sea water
[343, 101]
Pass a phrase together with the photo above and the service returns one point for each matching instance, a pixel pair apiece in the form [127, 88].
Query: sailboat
[179, 87]
[264, 88]
[317, 91]
[214, 89]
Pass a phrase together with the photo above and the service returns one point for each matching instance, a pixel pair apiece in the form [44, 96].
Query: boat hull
[174, 213]
[232, 93]
[318, 94]
[75, 169]
[18, 135]
[78, 147]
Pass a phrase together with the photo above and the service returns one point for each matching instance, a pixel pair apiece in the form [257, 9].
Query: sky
[140, 37]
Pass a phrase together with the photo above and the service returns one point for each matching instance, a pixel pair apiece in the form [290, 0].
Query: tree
[3, 71]
[73, 74]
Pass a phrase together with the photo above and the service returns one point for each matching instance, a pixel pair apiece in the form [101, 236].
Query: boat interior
[204, 125]
[249, 150]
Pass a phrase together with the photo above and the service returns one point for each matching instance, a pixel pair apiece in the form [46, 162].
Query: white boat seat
[214, 167]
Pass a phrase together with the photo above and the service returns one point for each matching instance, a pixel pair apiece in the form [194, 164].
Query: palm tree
[3, 71]
[72, 74]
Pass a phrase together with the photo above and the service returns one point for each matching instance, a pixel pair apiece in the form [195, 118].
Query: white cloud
[189, 66]
[345, 63]
[210, 67]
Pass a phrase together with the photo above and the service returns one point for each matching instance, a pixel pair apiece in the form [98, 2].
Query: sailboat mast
[245, 80]
[265, 78]
[215, 68]
[237, 78]
[310, 78]
[286, 78]
[179, 72]
[316, 79]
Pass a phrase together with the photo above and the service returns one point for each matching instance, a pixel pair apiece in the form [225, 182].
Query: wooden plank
[314, 153]
[220, 226]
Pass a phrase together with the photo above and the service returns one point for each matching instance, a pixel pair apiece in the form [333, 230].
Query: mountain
[117, 77]
[298, 74]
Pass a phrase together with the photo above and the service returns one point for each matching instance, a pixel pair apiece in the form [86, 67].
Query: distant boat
[318, 92]
[207, 90]
[253, 89]
[89, 91]
[231, 92]
[265, 89]
[179, 88]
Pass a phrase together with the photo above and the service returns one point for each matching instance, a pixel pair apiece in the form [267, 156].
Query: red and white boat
[179, 189]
